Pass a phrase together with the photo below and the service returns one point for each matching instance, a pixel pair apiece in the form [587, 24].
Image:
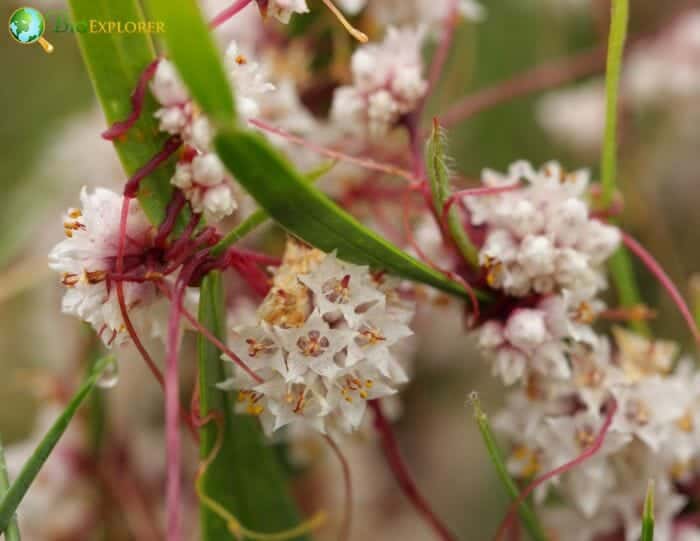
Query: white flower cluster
[654, 434]
[323, 346]
[87, 256]
[540, 242]
[203, 179]
[388, 83]
[541, 238]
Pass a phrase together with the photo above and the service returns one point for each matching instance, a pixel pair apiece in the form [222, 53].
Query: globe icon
[26, 25]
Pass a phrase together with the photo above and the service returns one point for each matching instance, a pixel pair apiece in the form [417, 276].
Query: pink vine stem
[344, 534]
[443, 52]
[209, 336]
[540, 78]
[666, 282]
[403, 477]
[137, 98]
[590, 451]
[334, 154]
[170, 146]
[228, 13]
[474, 192]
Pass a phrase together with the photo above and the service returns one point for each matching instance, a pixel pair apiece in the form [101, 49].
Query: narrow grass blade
[12, 532]
[245, 477]
[439, 175]
[307, 213]
[14, 496]
[648, 515]
[528, 517]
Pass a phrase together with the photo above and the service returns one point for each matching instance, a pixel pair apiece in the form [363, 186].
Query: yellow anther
[369, 383]
[74, 213]
[348, 399]
[363, 394]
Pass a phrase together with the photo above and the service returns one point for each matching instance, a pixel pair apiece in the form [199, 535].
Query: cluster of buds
[388, 84]
[200, 174]
[323, 345]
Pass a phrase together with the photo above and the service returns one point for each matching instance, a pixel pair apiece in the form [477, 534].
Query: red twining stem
[137, 98]
[228, 13]
[403, 477]
[170, 146]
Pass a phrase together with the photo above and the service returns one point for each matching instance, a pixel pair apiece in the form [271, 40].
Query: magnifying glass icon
[27, 26]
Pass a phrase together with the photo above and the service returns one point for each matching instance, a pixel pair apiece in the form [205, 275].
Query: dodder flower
[323, 345]
[87, 257]
[387, 83]
[541, 238]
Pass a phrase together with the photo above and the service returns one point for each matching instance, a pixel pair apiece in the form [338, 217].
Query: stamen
[354, 32]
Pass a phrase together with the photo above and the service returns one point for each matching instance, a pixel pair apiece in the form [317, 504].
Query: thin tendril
[585, 455]
[232, 523]
[344, 534]
[473, 192]
[213, 339]
[335, 154]
[476, 310]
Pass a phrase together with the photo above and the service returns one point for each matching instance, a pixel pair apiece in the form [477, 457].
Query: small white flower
[249, 80]
[206, 186]
[341, 289]
[282, 9]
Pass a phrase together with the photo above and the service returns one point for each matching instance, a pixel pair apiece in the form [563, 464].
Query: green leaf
[12, 532]
[307, 213]
[439, 176]
[13, 497]
[259, 216]
[648, 515]
[115, 62]
[245, 477]
[192, 49]
[528, 517]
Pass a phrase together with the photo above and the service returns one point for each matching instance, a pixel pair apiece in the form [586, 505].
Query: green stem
[620, 265]
[527, 515]
[12, 532]
[648, 515]
[616, 44]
